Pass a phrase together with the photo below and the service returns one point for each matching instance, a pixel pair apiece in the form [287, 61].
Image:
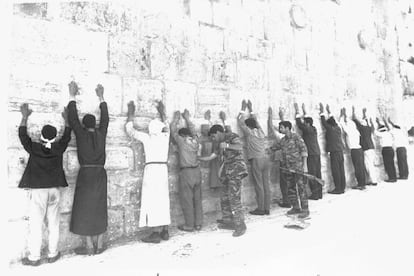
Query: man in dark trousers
[352, 139]
[386, 141]
[366, 131]
[294, 154]
[400, 143]
[232, 170]
[89, 210]
[190, 173]
[335, 148]
[256, 155]
[43, 177]
[310, 136]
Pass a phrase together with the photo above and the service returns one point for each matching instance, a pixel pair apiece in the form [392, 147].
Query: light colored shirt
[255, 139]
[385, 138]
[155, 146]
[352, 135]
[187, 147]
[400, 137]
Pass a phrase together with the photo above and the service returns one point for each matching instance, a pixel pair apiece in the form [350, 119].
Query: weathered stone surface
[180, 96]
[116, 223]
[131, 220]
[119, 158]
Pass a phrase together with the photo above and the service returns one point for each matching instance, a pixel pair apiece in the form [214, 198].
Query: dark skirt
[89, 210]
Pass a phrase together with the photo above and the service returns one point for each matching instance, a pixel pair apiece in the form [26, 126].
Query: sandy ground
[358, 233]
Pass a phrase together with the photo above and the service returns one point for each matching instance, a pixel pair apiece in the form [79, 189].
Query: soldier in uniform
[294, 154]
[233, 169]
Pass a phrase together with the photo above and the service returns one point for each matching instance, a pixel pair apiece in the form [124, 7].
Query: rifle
[306, 175]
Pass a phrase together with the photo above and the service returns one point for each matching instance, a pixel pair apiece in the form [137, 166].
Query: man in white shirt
[400, 142]
[386, 142]
[352, 139]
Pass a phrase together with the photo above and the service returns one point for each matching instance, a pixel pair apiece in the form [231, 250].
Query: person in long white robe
[155, 200]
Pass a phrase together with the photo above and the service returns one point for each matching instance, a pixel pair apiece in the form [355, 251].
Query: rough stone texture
[198, 55]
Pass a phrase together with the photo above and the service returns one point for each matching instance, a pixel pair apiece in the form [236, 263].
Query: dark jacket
[310, 136]
[333, 137]
[44, 168]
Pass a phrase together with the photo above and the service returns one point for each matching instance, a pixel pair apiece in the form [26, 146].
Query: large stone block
[215, 99]
[250, 74]
[144, 93]
[211, 39]
[17, 203]
[131, 220]
[116, 225]
[180, 96]
[119, 158]
[49, 48]
[67, 240]
[129, 55]
[16, 164]
[88, 102]
[66, 195]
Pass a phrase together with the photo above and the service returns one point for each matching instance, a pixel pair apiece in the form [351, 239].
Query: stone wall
[195, 54]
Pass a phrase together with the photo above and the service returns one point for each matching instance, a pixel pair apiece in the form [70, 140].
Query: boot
[226, 226]
[304, 214]
[153, 238]
[257, 212]
[240, 230]
[293, 211]
[164, 234]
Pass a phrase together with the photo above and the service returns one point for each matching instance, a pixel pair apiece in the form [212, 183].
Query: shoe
[185, 228]
[153, 238]
[257, 212]
[371, 184]
[304, 214]
[26, 261]
[313, 197]
[391, 180]
[224, 221]
[165, 235]
[84, 251]
[358, 187]
[197, 227]
[284, 205]
[403, 177]
[293, 211]
[53, 259]
[266, 212]
[335, 192]
[100, 250]
[226, 226]
[240, 230]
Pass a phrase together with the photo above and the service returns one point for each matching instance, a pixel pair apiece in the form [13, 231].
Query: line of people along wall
[299, 156]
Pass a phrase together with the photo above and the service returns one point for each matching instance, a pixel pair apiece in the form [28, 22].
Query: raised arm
[241, 118]
[129, 127]
[270, 128]
[298, 117]
[189, 123]
[103, 124]
[23, 136]
[391, 123]
[173, 126]
[73, 118]
[323, 119]
[64, 141]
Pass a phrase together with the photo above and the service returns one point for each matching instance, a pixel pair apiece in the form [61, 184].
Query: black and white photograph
[208, 137]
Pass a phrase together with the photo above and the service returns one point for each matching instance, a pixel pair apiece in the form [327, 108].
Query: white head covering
[48, 143]
[155, 127]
